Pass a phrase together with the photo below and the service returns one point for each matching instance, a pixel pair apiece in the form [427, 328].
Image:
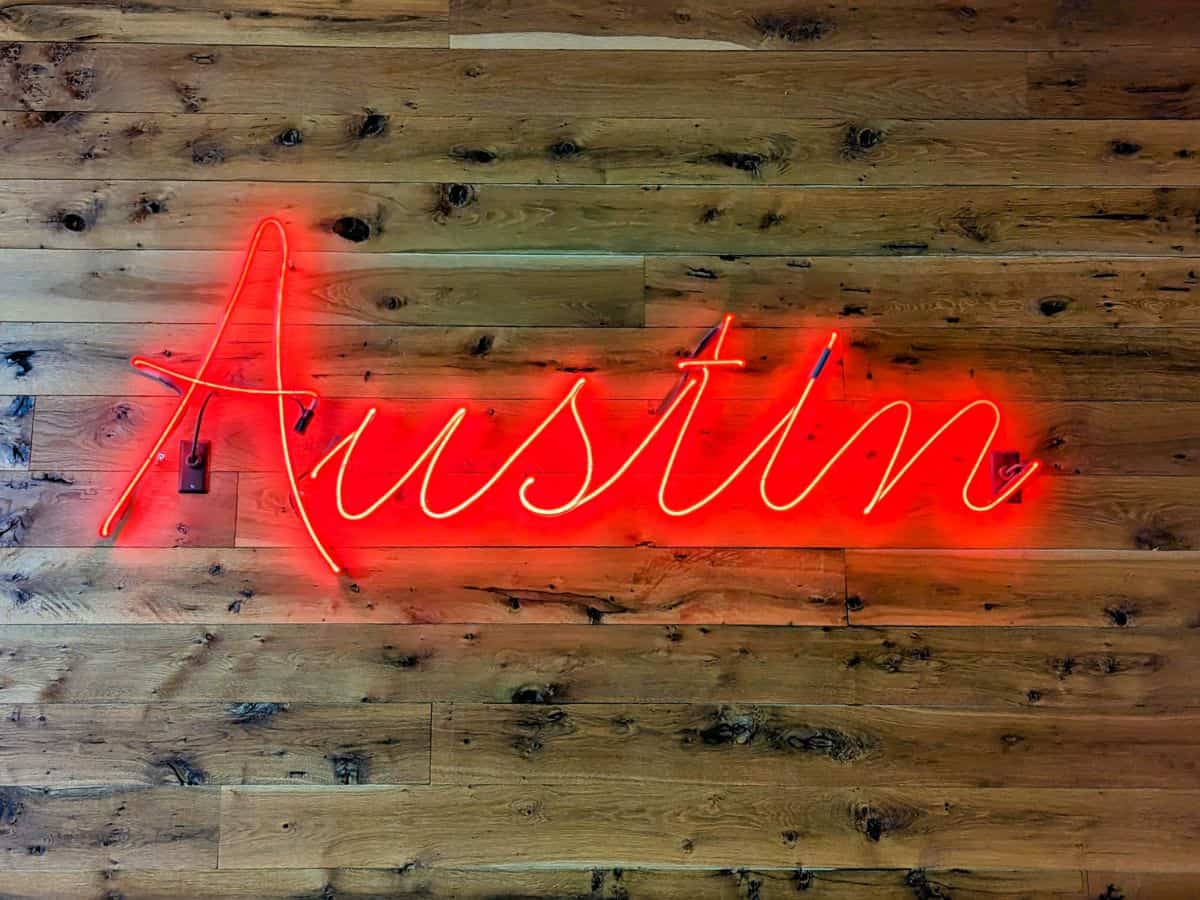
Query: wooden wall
[1006, 193]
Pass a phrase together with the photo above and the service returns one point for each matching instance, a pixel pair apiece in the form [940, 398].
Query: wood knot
[477, 156]
[743, 162]
[207, 156]
[1053, 306]
[860, 140]
[372, 125]
[564, 148]
[482, 346]
[253, 713]
[81, 83]
[73, 222]
[537, 693]
[1125, 148]
[145, 207]
[290, 137]
[458, 195]
[794, 29]
[349, 768]
[352, 229]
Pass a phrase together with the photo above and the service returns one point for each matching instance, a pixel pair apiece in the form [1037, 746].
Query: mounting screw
[193, 469]
[1005, 465]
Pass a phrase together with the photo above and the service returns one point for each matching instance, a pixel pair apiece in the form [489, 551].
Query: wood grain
[487, 200]
[871, 25]
[680, 826]
[574, 149]
[1068, 669]
[64, 509]
[950, 292]
[455, 217]
[1126, 84]
[1072, 438]
[536, 585]
[218, 79]
[494, 364]
[60, 744]
[1106, 589]
[16, 432]
[1100, 513]
[71, 828]
[326, 288]
[554, 884]
[583, 744]
[379, 23]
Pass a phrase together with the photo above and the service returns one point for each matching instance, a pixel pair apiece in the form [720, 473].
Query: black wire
[192, 458]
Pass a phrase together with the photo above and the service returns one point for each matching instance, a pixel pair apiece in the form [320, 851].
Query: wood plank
[376, 23]
[1072, 438]
[69, 745]
[1022, 363]
[1141, 885]
[1077, 669]
[585, 150]
[16, 432]
[556, 884]
[734, 826]
[1098, 513]
[182, 286]
[828, 746]
[870, 25]
[148, 78]
[945, 292]
[457, 217]
[1018, 588]
[426, 362]
[1158, 84]
[64, 509]
[536, 585]
[57, 829]
[495, 364]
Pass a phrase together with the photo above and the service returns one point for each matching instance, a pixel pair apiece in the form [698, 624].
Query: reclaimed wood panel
[1103, 513]
[536, 585]
[1116, 85]
[923, 291]
[830, 746]
[16, 432]
[1126, 589]
[1068, 669]
[427, 362]
[377, 23]
[89, 827]
[456, 217]
[1072, 438]
[617, 883]
[551, 290]
[183, 286]
[734, 825]
[489, 199]
[870, 25]
[64, 509]
[869, 150]
[62, 744]
[148, 78]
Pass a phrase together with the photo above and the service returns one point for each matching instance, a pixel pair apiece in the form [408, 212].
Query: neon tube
[691, 390]
[198, 380]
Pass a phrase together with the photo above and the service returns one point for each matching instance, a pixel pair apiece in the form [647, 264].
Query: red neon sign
[679, 411]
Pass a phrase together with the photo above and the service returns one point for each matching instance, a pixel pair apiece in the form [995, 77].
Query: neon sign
[677, 413]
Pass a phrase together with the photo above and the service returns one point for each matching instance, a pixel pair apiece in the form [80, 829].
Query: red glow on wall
[567, 465]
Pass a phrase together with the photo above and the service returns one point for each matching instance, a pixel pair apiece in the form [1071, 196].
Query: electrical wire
[193, 460]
